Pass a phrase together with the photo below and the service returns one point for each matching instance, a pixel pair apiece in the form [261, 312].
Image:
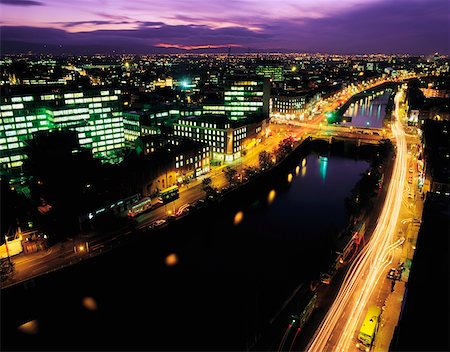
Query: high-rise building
[244, 97]
[95, 115]
[275, 73]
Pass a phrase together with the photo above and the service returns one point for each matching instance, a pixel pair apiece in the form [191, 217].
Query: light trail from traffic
[352, 299]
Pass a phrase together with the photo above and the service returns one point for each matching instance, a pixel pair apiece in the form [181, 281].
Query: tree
[209, 190]
[206, 183]
[230, 174]
[61, 176]
[265, 160]
[285, 147]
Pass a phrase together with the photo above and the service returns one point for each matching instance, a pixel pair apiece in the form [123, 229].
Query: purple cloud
[21, 2]
[404, 26]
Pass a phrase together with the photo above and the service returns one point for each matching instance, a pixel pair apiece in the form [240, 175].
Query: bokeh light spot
[238, 218]
[89, 303]
[31, 327]
[171, 259]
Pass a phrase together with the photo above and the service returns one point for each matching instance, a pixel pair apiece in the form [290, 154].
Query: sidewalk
[389, 318]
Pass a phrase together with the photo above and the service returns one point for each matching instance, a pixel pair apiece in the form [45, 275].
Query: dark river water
[233, 273]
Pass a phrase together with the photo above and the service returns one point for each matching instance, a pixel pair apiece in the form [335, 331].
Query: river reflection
[368, 111]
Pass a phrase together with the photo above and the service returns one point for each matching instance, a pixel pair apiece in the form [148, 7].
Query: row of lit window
[21, 99]
[23, 131]
[190, 162]
[130, 122]
[23, 118]
[190, 113]
[107, 141]
[19, 125]
[246, 103]
[13, 145]
[108, 147]
[73, 95]
[205, 130]
[234, 93]
[11, 107]
[246, 83]
[8, 159]
[231, 108]
[109, 120]
[287, 103]
[146, 131]
[218, 150]
[131, 133]
[70, 111]
[14, 164]
[234, 98]
[90, 100]
[208, 134]
[66, 118]
[48, 97]
[106, 131]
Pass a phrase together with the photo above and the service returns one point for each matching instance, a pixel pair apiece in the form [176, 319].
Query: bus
[139, 207]
[308, 306]
[169, 194]
[369, 328]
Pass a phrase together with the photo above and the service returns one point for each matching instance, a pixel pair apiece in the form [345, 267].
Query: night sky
[140, 26]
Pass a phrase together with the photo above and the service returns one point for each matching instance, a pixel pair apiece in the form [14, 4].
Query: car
[410, 169]
[157, 223]
[394, 274]
[410, 180]
[198, 203]
[410, 195]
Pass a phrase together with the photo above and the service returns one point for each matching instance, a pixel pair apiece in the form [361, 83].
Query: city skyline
[347, 27]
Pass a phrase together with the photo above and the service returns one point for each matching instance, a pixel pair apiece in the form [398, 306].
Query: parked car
[157, 223]
[394, 274]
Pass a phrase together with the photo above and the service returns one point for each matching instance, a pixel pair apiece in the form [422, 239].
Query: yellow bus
[169, 194]
[369, 328]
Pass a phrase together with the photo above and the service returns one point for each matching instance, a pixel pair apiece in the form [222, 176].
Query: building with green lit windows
[95, 115]
[244, 97]
[275, 73]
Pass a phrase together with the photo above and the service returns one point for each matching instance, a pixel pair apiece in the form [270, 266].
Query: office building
[275, 73]
[227, 138]
[244, 97]
[95, 115]
[287, 105]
